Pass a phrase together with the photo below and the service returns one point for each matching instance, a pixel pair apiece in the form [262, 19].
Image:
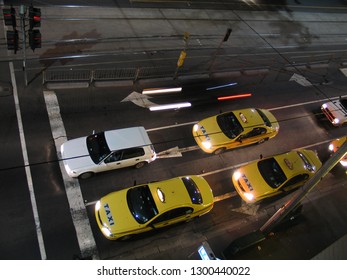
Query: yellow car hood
[115, 214]
[290, 163]
[209, 130]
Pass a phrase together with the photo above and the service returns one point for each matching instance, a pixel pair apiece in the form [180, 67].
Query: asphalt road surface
[46, 218]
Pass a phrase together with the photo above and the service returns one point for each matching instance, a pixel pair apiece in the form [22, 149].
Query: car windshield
[229, 125]
[264, 117]
[271, 172]
[193, 190]
[141, 204]
[344, 103]
[97, 147]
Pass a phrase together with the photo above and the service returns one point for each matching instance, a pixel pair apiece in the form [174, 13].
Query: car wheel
[140, 164]
[219, 151]
[86, 175]
[125, 238]
[262, 140]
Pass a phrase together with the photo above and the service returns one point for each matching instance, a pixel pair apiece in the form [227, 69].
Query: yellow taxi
[235, 129]
[272, 175]
[335, 145]
[122, 214]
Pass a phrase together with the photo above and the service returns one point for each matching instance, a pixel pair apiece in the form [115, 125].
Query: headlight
[249, 196]
[106, 231]
[195, 127]
[331, 147]
[237, 175]
[324, 106]
[207, 144]
[343, 163]
[336, 121]
[97, 205]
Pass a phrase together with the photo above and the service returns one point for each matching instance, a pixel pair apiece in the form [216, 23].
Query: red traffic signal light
[34, 39]
[10, 17]
[12, 40]
[34, 17]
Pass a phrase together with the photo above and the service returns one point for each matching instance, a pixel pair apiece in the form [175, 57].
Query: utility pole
[225, 38]
[253, 238]
[22, 12]
[293, 203]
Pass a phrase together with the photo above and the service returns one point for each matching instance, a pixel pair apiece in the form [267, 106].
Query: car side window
[133, 152]
[254, 132]
[114, 156]
[295, 180]
[172, 214]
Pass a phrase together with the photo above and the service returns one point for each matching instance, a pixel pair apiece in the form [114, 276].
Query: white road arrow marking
[249, 209]
[301, 80]
[139, 100]
[176, 152]
[344, 71]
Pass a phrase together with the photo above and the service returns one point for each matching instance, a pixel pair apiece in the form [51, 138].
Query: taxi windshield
[97, 147]
[266, 120]
[194, 192]
[229, 125]
[141, 204]
[272, 173]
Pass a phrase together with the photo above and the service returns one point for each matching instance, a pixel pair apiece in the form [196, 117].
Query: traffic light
[34, 39]
[12, 40]
[34, 17]
[10, 17]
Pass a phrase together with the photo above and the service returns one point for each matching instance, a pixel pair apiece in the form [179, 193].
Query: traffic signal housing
[34, 17]
[12, 40]
[10, 17]
[34, 39]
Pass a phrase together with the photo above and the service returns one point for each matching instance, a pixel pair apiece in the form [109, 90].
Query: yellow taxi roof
[248, 118]
[290, 163]
[175, 194]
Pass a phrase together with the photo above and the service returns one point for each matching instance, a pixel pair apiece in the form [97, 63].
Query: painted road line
[271, 109]
[224, 196]
[231, 194]
[244, 163]
[26, 164]
[305, 103]
[72, 187]
[171, 126]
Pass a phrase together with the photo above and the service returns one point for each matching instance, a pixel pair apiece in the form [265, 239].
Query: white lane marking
[26, 164]
[72, 187]
[232, 194]
[305, 103]
[171, 126]
[271, 109]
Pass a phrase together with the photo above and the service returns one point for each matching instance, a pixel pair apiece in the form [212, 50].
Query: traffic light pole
[225, 38]
[22, 11]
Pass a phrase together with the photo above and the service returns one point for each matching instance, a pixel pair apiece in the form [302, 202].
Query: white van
[107, 150]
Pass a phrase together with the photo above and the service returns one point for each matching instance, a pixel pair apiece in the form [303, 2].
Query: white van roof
[127, 138]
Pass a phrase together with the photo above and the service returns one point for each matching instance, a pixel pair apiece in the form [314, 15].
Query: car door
[131, 156]
[124, 158]
[172, 217]
[253, 136]
[295, 182]
[113, 161]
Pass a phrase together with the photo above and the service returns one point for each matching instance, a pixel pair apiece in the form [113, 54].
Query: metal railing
[90, 76]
